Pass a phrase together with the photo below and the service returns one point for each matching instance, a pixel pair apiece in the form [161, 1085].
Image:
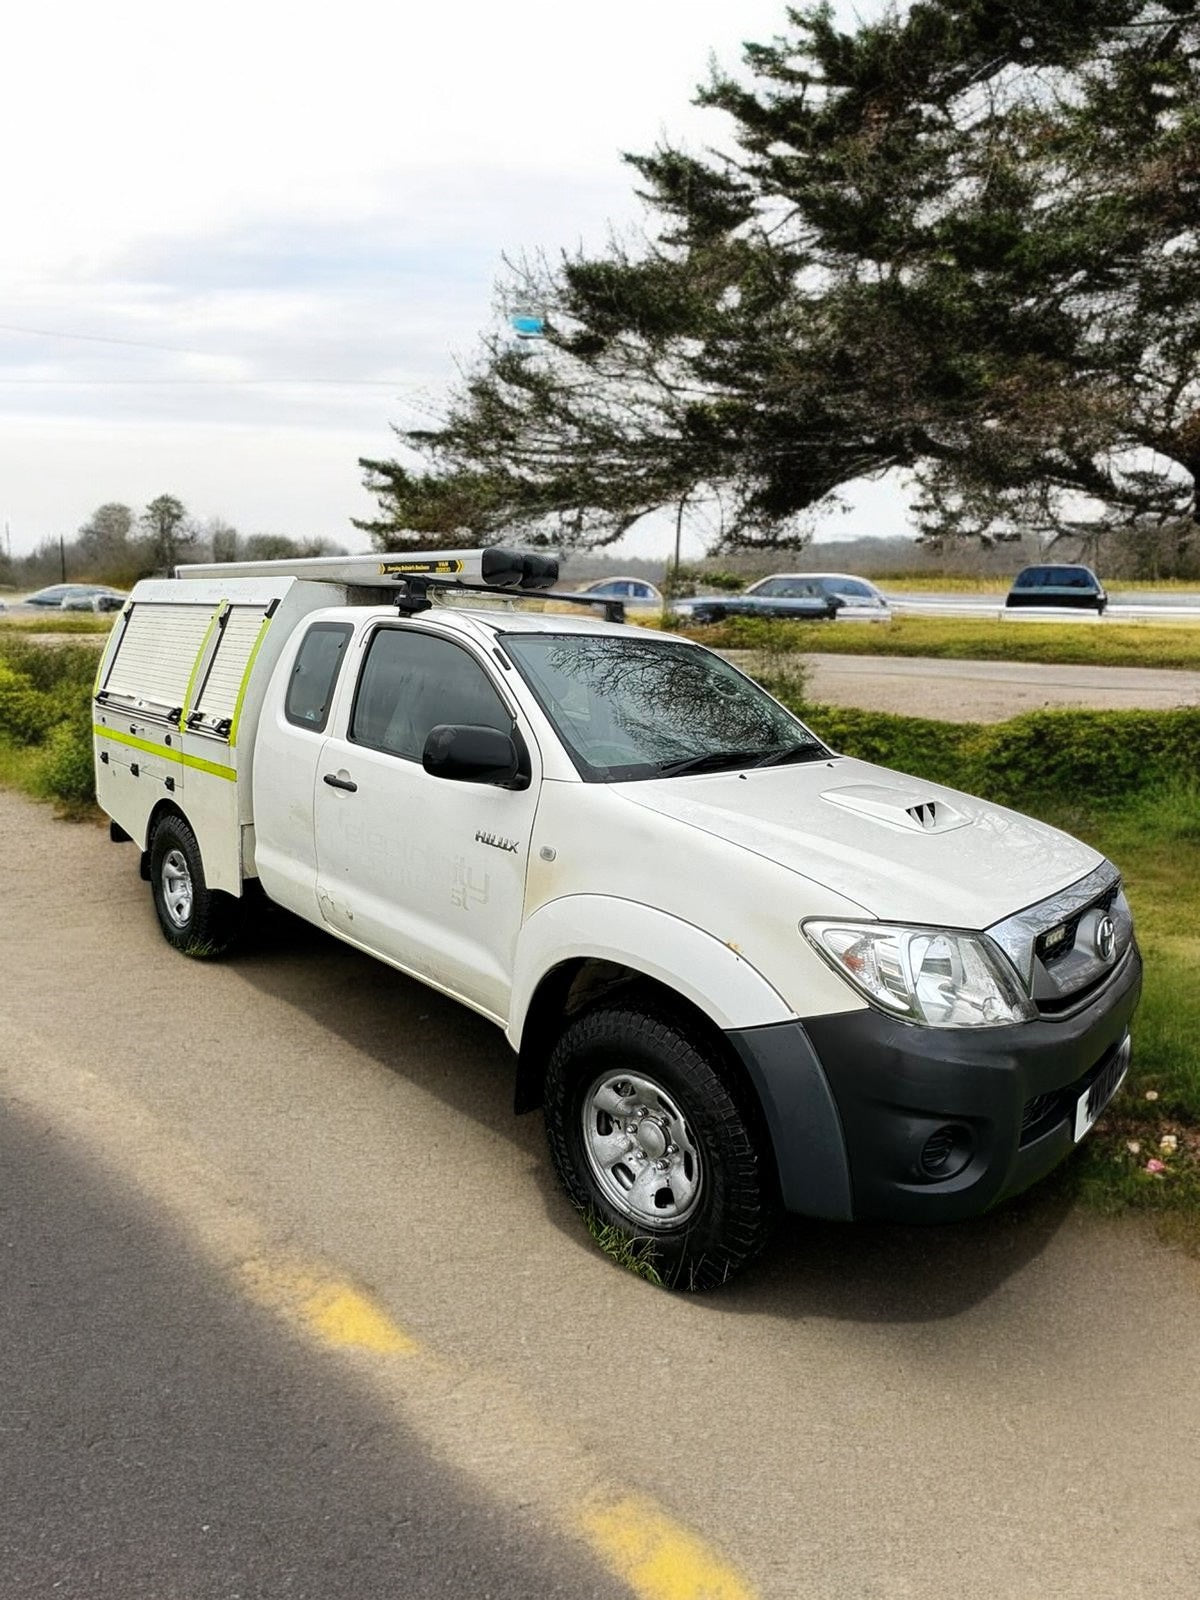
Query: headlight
[945, 980]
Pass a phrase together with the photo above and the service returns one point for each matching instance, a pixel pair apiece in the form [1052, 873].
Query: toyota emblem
[1105, 938]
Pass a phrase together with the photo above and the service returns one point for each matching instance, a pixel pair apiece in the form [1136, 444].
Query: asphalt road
[292, 1305]
[990, 691]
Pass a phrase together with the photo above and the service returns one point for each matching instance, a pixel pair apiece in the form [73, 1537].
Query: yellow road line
[657, 1557]
[473, 1418]
[340, 1315]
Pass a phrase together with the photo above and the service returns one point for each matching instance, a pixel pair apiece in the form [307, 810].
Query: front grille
[1038, 1110]
[1051, 946]
[1057, 942]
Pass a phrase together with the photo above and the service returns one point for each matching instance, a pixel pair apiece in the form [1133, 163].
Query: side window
[413, 681]
[315, 675]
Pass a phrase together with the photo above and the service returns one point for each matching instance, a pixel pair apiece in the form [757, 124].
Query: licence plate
[1101, 1089]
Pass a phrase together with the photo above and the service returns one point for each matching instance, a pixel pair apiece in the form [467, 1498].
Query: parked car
[861, 601]
[1058, 586]
[57, 595]
[802, 602]
[634, 592]
[95, 600]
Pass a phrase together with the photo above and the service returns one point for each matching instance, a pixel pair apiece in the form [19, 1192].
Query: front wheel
[649, 1138]
[194, 918]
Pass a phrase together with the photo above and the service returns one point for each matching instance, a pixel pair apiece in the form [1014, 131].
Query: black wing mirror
[473, 755]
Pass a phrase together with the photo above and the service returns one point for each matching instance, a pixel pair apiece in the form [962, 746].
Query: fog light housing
[946, 1152]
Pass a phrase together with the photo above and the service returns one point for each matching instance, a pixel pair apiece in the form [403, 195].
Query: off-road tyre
[204, 923]
[728, 1219]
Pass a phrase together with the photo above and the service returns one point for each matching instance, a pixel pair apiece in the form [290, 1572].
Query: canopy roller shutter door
[158, 650]
[218, 695]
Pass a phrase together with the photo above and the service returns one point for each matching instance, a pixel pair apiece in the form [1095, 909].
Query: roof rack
[411, 575]
[491, 568]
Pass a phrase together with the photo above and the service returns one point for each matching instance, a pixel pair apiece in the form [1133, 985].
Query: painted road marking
[474, 1419]
[657, 1557]
[340, 1316]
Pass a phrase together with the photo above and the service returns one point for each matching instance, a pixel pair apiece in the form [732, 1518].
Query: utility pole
[62, 557]
[678, 537]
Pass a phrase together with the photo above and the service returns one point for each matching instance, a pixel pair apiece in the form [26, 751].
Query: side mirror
[472, 755]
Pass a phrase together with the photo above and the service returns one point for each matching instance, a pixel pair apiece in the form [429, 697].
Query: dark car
[805, 601]
[1058, 586]
[57, 595]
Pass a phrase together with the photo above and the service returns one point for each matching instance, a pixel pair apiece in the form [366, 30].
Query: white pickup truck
[741, 972]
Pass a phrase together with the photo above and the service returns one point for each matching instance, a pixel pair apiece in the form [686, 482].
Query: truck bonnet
[904, 849]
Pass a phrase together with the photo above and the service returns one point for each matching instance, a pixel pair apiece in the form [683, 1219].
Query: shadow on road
[164, 1437]
[434, 1042]
[874, 1273]
[859, 1272]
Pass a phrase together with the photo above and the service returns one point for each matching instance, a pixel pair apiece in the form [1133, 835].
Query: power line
[222, 383]
[99, 338]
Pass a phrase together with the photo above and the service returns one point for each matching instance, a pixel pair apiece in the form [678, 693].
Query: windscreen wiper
[712, 761]
[794, 752]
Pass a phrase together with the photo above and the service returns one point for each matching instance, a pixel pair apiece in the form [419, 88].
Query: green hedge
[45, 707]
[26, 715]
[1083, 755]
[1087, 756]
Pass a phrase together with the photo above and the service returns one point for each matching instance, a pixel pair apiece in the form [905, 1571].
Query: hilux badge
[1105, 938]
[496, 841]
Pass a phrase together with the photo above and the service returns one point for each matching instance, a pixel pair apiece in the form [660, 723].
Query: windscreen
[629, 708]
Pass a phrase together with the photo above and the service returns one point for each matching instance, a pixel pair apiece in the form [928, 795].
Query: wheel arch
[578, 984]
[575, 950]
[163, 808]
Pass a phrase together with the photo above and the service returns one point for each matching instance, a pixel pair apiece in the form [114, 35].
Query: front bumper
[1000, 1101]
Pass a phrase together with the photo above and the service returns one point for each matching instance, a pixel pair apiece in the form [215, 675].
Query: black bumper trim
[801, 1117]
[895, 1085]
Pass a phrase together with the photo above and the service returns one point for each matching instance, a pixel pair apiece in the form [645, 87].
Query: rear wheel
[200, 921]
[649, 1138]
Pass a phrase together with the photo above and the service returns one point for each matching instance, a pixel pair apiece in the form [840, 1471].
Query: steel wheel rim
[640, 1149]
[177, 889]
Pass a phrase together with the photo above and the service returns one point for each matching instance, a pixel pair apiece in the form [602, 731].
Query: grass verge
[1132, 644]
[1092, 775]
[32, 623]
[1128, 782]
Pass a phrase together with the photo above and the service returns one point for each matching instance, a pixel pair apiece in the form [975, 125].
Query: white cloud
[307, 210]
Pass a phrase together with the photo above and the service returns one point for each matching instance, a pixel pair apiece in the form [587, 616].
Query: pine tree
[961, 240]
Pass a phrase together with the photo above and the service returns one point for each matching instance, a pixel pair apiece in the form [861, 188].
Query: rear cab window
[315, 674]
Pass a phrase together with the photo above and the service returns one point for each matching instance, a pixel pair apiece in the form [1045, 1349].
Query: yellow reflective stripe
[242, 687]
[218, 771]
[200, 654]
[134, 743]
[196, 762]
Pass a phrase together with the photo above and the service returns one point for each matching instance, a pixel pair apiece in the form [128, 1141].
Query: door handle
[334, 782]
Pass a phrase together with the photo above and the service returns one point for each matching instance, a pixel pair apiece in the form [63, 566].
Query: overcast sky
[239, 244]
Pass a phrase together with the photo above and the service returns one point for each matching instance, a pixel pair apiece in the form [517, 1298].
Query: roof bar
[494, 567]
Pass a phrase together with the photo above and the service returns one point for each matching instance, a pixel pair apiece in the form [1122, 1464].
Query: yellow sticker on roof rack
[401, 569]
